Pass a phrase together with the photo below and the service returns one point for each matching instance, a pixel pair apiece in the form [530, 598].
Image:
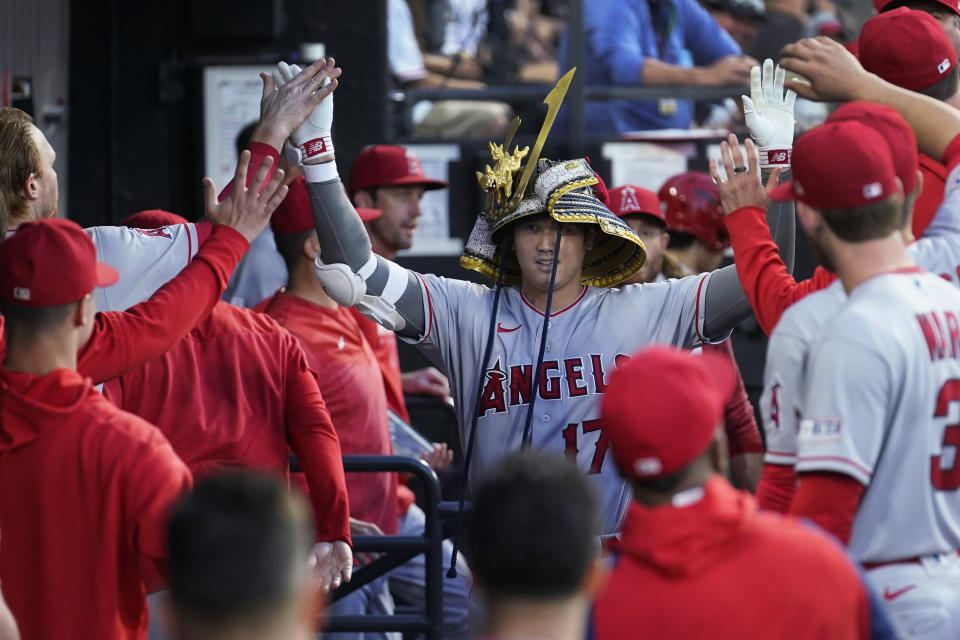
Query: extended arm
[726, 302]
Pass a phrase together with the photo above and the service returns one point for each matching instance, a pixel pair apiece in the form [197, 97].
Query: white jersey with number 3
[882, 405]
[585, 341]
[938, 251]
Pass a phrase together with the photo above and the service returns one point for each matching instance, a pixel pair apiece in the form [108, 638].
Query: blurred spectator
[453, 119]
[785, 22]
[261, 271]
[239, 562]
[532, 39]
[532, 543]
[668, 42]
[739, 18]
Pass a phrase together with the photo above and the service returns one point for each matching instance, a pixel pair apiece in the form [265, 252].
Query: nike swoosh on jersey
[500, 328]
[893, 595]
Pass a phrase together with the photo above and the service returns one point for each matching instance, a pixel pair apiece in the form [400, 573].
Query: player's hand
[440, 457]
[333, 564]
[832, 74]
[425, 382]
[731, 70]
[311, 140]
[768, 113]
[741, 188]
[284, 107]
[363, 528]
[246, 209]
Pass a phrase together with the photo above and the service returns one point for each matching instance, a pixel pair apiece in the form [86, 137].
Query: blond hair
[19, 157]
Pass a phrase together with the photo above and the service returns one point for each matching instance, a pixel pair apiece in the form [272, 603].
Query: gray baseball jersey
[783, 378]
[145, 259]
[585, 341]
[881, 406]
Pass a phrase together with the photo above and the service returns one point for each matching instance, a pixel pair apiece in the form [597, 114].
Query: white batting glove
[311, 141]
[768, 113]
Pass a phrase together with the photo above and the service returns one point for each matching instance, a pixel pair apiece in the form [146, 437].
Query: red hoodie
[719, 569]
[84, 490]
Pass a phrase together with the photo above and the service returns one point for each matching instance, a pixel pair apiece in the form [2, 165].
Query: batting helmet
[693, 206]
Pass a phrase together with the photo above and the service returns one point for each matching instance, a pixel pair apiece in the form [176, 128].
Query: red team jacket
[267, 400]
[685, 572]
[84, 491]
[384, 346]
[352, 385]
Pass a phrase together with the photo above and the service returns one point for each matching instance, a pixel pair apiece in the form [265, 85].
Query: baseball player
[592, 326]
[905, 48]
[877, 402]
[946, 12]
[688, 199]
[84, 487]
[688, 535]
[234, 411]
[787, 353]
[694, 221]
[122, 341]
[351, 381]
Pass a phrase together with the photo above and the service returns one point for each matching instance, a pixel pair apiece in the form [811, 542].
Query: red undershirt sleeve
[743, 435]
[828, 499]
[776, 488]
[770, 289]
[125, 340]
[314, 441]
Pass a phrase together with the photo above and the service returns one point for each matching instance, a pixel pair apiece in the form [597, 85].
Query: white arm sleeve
[145, 259]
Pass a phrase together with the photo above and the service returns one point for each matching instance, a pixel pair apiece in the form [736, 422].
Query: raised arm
[726, 303]
[833, 74]
[125, 340]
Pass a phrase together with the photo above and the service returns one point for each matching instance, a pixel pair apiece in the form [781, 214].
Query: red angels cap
[50, 262]
[385, 165]
[630, 199]
[906, 48]
[840, 165]
[295, 214]
[662, 407]
[899, 136]
[153, 219]
[887, 5]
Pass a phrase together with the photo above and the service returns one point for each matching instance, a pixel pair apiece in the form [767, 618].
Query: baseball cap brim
[367, 215]
[783, 192]
[430, 184]
[105, 275]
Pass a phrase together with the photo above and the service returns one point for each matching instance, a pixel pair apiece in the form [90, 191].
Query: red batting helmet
[693, 206]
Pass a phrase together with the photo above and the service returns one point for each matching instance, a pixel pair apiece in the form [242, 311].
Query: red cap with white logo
[840, 165]
[906, 48]
[385, 165]
[631, 199]
[50, 262]
[662, 407]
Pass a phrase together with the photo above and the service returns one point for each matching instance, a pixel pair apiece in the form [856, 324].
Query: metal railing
[397, 550]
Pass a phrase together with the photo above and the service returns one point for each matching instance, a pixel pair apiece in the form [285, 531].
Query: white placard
[433, 233]
[644, 164]
[231, 100]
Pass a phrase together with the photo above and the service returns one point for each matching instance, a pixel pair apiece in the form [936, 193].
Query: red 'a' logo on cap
[628, 200]
[413, 165]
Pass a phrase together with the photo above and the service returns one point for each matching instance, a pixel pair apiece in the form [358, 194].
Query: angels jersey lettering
[585, 341]
[883, 406]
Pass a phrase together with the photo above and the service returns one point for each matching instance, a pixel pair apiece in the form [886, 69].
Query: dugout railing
[396, 550]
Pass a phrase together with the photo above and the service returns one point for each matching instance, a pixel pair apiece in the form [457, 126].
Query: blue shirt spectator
[623, 37]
